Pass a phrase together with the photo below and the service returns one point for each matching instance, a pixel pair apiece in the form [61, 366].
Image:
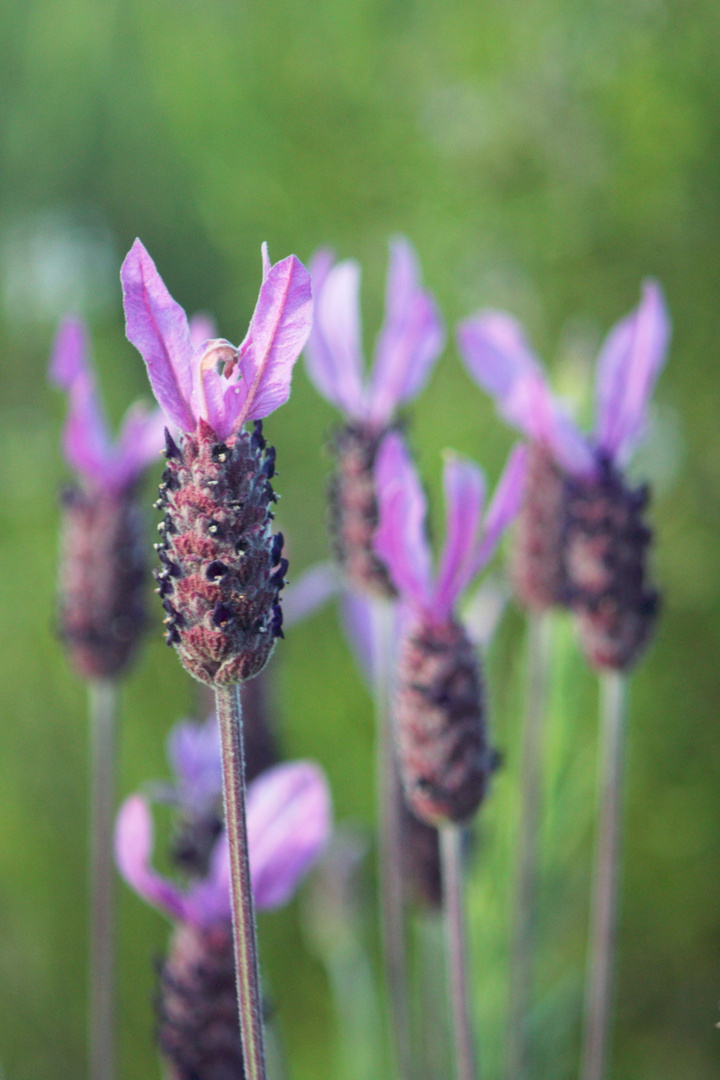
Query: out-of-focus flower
[289, 821]
[444, 757]
[222, 568]
[582, 539]
[102, 564]
[410, 341]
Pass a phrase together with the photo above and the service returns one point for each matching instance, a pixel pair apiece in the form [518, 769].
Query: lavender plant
[584, 543]
[222, 568]
[101, 617]
[289, 822]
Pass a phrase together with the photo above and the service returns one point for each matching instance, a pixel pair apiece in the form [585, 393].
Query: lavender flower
[582, 540]
[410, 341]
[444, 756]
[222, 569]
[289, 820]
[102, 611]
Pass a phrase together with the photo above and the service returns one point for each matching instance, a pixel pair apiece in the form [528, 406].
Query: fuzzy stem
[606, 876]
[524, 901]
[102, 709]
[389, 794]
[229, 713]
[456, 942]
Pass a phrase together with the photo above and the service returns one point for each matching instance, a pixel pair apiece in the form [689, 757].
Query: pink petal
[309, 592]
[497, 355]
[333, 355]
[202, 328]
[411, 339]
[209, 900]
[504, 505]
[464, 493]
[278, 331]
[141, 439]
[400, 536]
[133, 850]
[195, 757]
[156, 325]
[630, 361]
[85, 439]
[212, 398]
[289, 823]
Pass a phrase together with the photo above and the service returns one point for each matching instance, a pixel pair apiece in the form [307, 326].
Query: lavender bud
[221, 571]
[537, 565]
[605, 555]
[354, 509]
[198, 1027]
[445, 761]
[101, 581]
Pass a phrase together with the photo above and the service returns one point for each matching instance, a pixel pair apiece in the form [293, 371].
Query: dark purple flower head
[256, 376]
[289, 821]
[102, 464]
[410, 340]
[470, 540]
[499, 358]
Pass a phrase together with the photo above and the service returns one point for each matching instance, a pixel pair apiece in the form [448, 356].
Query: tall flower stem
[606, 877]
[457, 951]
[389, 794]
[229, 713]
[102, 708]
[525, 898]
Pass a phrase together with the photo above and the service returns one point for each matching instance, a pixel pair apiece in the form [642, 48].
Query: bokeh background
[544, 156]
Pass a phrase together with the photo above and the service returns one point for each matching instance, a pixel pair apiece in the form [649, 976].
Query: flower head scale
[88, 447]
[256, 376]
[401, 542]
[410, 340]
[497, 355]
[288, 816]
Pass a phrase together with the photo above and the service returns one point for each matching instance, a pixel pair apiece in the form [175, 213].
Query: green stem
[389, 794]
[229, 713]
[525, 898]
[457, 951]
[102, 708]
[606, 876]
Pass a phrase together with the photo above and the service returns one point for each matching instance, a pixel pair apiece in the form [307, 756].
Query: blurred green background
[543, 155]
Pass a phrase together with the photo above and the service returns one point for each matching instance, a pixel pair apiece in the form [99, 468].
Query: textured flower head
[410, 340]
[470, 539]
[185, 378]
[288, 820]
[89, 449]
[499, 358]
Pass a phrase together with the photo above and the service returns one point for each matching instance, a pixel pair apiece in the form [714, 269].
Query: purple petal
[202, 328]
[266, 264]
[311, 591]
[628, 366]
[209, 900]
[278, 331]
[289, 823]
[497, 355]
[141, 439]
[504, 505]
[195, 757]
[85, 438]
[212, 398]
[464, 494]
[133, 850]
[156, 325]
[333, 355]
[400, 536]
[411, 339]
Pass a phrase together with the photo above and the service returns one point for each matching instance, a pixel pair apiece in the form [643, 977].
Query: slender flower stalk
[389, 794]
[451, 838]
[606, 879]
[103, 705]
[524, 900]
[101, 620]
[222, 569]
[229, 712]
